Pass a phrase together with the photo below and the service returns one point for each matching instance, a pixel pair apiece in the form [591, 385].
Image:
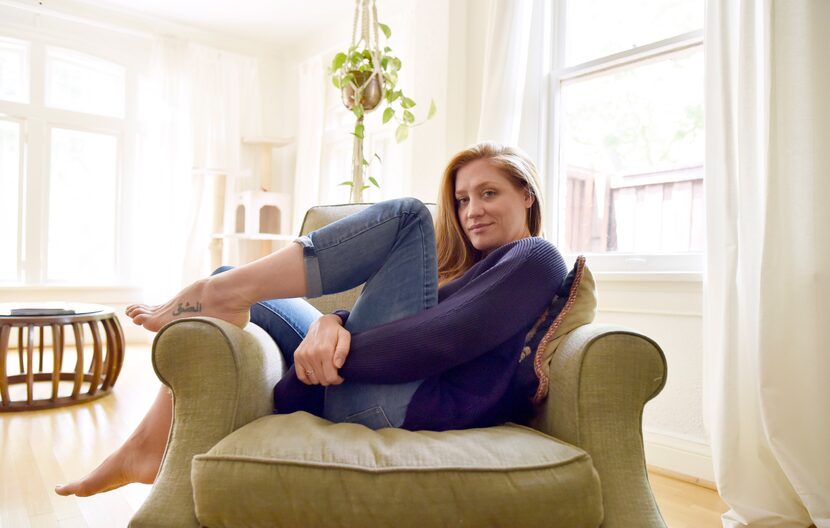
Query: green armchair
[230, 462]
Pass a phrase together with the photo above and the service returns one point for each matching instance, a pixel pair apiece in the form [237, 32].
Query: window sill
[648, 276]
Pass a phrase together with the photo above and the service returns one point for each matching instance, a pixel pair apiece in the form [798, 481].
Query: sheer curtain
[162, 187]
[225, 107]
[767, 294]
[195, 105]
[312, 84]
[505, 69]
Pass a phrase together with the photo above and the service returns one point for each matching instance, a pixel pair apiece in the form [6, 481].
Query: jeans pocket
[373, 418]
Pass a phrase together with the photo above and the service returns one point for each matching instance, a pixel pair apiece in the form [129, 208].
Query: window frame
[689, 264]
[37, 120]
[21, 181]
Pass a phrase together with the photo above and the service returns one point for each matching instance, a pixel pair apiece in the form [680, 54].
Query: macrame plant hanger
[366, 17]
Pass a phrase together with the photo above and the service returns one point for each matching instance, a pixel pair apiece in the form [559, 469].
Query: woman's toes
[67, 489]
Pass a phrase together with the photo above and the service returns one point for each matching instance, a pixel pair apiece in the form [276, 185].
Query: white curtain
[195, 105]
[162, 187]
[310, 127]
[767, 292]
[505, 70]
[226, 106]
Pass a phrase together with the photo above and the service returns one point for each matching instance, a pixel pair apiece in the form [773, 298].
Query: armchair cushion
[482, 477]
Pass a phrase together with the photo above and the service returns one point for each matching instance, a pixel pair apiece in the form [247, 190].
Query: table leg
[57, 359]
[20, 347]
[79, 363]
[110, 357]
[5, 332]
[97, 362]
[40, 365]
[30, 371]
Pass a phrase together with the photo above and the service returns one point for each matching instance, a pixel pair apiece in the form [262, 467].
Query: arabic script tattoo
[187, 308]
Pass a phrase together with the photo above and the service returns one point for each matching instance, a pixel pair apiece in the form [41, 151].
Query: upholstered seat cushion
[301, 470]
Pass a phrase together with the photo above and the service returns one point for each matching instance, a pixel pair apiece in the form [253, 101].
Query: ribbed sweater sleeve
[494, 300]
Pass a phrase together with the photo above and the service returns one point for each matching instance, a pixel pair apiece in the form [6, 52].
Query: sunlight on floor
[44, 448]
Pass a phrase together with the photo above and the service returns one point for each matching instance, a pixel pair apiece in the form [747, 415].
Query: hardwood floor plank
[686, 505]
[47, 520]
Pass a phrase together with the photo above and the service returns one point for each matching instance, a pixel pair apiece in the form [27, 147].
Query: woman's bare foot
[202, 298]
[130, 463]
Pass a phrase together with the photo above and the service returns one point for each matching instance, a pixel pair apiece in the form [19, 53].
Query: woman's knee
[415, 207]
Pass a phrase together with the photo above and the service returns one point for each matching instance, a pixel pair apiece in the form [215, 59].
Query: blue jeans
[389, 246]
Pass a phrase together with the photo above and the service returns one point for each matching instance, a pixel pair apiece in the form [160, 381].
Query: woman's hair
[455, 252]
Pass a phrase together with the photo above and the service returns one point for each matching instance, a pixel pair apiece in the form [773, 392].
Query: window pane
[83, 83]
[14, 70]
[596, 28]
[82, 194]
[632, 154]
[9, 193]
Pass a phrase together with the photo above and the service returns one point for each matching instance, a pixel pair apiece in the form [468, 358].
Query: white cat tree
[261, 216]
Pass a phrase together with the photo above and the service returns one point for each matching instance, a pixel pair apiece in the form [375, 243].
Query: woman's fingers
[322, 352]
[329, 375]
[341, 350]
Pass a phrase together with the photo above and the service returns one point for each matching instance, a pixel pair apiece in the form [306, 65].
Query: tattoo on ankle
[188, 308]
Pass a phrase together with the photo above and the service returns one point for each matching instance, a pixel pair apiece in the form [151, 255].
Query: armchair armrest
[601, 378]
[221, 378]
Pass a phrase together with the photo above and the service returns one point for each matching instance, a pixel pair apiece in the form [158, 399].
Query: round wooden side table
[95, 368]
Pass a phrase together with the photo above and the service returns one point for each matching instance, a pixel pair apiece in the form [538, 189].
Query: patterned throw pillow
[573, 306]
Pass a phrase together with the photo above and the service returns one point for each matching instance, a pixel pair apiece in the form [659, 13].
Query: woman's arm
[503, 295]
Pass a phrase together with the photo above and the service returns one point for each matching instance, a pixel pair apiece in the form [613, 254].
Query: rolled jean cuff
[313, 281]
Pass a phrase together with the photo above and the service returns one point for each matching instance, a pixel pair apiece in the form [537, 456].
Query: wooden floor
[45, 448]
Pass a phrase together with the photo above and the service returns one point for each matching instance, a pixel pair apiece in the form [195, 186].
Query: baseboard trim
[682, 477]
[680, 458]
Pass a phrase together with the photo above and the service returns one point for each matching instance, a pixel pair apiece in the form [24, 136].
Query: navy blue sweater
[466, 348]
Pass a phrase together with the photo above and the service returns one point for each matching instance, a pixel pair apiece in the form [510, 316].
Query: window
[83, 83]
[62, 129]
[14, 70]
[627, 133]
[82, 194]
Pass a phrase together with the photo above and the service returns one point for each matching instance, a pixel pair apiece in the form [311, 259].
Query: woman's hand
[322, 352]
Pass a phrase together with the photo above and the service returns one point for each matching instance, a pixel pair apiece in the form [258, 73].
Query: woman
[409, 354]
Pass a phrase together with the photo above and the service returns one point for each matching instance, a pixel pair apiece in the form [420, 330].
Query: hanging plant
[367, 77]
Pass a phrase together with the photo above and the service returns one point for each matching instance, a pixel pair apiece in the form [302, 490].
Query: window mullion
[125, 210]
[635, 55]
[557, 60]
[36, 207]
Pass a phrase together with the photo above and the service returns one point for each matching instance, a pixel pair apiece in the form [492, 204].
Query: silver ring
[309, 372]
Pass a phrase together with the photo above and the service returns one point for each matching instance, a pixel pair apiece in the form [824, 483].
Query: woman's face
[492, 211]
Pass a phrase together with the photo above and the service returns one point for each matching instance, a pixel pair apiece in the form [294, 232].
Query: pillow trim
[544, 379]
